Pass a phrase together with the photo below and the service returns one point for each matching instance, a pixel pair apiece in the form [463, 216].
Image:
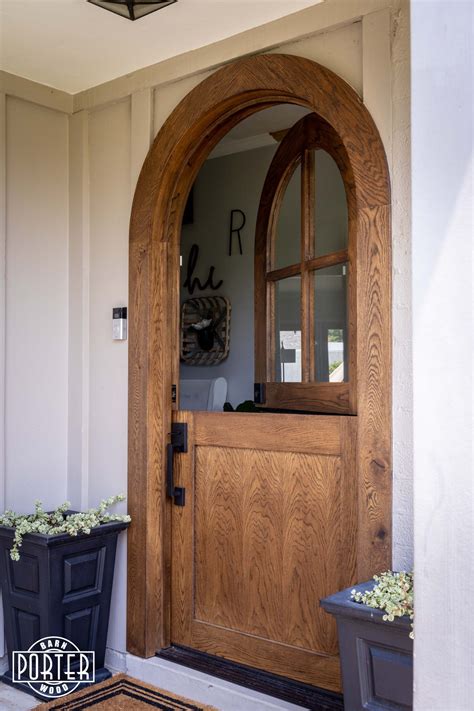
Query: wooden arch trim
[197, 124]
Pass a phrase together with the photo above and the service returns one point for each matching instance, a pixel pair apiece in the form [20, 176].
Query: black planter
[61, 586]
[376, 656]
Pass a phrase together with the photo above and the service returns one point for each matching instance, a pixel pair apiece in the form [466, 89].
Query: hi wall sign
[132, 9]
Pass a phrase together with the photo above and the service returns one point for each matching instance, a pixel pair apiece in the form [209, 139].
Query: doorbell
[119, 323]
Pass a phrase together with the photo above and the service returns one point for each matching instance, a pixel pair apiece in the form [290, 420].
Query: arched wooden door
[269, 520]
[281, 508]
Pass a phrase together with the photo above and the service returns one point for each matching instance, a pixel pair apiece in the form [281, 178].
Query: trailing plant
[335, 364]
[51, 523]
[392, 592]
[246, 406]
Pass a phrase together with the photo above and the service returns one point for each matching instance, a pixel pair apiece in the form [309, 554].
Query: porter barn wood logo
[53, 667]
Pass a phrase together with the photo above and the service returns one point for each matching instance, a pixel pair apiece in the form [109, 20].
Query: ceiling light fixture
[132, 9]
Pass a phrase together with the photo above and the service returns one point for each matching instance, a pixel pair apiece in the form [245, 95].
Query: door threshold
[280, 687]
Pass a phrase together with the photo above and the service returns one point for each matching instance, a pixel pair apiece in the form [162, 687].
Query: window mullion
[270, 365]
[307, 205]
[307, 252]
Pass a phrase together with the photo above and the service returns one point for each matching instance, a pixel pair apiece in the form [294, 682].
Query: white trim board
[21, 88]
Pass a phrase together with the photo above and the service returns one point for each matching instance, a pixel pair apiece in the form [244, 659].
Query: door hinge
[178, 444]
[259, 393]
[173, 394]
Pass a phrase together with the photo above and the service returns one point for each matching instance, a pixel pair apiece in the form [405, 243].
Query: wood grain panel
[349, 523]
[264, 535]
[265, 543]
[375, 393]
[276, 432]
[313, 397]
[312, 668]
[312, 552]
[219, 565]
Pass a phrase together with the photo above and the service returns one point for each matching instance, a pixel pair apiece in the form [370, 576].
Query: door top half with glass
[305, 324]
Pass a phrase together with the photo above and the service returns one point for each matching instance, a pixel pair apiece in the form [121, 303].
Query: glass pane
[330, 324]
[331, 222]
[288, 330]
[287, 249]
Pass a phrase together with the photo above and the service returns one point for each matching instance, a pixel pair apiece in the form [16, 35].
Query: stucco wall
[82, 392]
[443, 328]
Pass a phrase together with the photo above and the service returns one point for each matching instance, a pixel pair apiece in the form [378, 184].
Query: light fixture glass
[132, 9]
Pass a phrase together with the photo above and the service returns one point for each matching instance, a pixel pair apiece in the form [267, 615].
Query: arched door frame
[196, 125]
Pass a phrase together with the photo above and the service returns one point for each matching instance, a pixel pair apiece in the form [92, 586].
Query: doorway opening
[308, 225]
[218, 239]
[275, 510]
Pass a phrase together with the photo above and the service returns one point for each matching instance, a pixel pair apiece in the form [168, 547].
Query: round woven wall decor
[205, 330]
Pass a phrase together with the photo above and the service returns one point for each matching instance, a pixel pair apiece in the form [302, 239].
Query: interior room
[217, 259]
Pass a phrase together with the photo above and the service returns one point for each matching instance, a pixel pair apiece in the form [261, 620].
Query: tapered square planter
[376, 656]
[61, 586]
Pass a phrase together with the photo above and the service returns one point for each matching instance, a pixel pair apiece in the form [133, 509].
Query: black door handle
[179, 443]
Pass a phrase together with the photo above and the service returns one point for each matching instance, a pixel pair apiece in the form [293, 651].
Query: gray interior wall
[223, 184]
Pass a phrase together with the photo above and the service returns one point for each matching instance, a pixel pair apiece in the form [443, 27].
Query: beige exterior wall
[95, 151]
[36, 295]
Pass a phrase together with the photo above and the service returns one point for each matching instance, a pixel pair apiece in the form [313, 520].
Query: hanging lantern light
[132, 9]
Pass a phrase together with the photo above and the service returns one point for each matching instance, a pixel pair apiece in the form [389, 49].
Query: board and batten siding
[36, 323]
[110, 204]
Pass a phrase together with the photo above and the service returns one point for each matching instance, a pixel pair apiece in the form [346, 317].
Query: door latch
[178, 444]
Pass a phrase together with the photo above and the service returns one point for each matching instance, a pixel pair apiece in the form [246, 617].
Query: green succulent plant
[392, 592]
[59, 521]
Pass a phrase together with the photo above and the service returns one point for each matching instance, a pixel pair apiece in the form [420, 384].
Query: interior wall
[235, 182]
[224, 184]
[67, 255]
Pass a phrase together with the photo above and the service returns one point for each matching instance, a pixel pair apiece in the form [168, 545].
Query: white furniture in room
[203, 394]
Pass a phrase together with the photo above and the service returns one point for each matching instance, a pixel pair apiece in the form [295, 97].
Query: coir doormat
[122, 693]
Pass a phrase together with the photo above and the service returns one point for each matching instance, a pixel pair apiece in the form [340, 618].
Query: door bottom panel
[268, 530]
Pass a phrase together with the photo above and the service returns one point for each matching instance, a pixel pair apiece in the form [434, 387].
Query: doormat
[122, 693]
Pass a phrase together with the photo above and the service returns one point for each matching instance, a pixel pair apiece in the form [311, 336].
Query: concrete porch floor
[186, 682]
[12, 699]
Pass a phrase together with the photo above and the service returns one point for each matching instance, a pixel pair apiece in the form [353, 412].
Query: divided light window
[304, 274]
